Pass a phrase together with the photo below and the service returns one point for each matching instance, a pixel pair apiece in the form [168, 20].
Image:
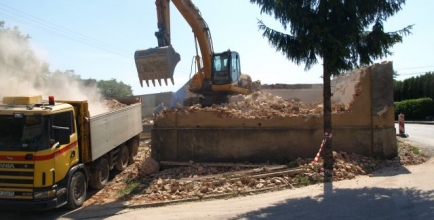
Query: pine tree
[335, 31]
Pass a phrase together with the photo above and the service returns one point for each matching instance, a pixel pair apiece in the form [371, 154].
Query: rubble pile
[200, 181]
[260, 105]
[147, 120]
[113, 104]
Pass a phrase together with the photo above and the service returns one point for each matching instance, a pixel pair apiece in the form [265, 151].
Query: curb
[418, 122]
[209, 197]
[126, 205]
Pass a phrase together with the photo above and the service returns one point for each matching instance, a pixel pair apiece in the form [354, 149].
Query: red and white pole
[401, 119]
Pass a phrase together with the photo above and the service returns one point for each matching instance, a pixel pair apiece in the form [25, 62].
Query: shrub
[415, 109]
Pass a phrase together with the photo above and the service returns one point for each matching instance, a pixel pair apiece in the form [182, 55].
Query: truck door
[66, 154]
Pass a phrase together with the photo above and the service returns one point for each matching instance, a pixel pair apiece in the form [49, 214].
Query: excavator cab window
[221, 69]
[235, 67]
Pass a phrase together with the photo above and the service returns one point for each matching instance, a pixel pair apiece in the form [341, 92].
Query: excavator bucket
[156, 64]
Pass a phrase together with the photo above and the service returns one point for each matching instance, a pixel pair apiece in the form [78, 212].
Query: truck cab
[48, 156]
[38, 146]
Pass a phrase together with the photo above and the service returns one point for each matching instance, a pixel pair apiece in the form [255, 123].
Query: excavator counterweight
[156, 64]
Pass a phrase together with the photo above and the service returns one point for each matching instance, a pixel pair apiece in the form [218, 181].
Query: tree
[335, 31]
[113, 88]
[397, 86]
[414, 87]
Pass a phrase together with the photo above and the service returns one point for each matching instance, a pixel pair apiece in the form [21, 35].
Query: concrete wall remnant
[150, 101]
[366, 129]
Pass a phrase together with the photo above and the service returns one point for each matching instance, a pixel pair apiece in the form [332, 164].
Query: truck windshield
[23, 133]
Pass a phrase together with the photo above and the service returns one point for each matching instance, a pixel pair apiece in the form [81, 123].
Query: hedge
[415, 109]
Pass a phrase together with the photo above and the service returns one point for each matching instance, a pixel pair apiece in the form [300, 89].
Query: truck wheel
[99, 174]
[76, 191]
[133, 146]
[122, 159]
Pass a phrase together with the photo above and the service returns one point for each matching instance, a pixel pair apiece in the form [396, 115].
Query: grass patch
[414, 149]
[128, 189]
[301, 180]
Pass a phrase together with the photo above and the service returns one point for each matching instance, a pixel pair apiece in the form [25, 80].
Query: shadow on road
[366, 203]
[89, 212]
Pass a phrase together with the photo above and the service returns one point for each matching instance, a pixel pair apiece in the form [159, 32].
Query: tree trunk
[328, 147]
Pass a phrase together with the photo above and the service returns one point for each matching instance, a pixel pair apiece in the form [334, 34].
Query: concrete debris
[200, 180]
[260, 105]
[147, 120]
[113, 104]
[147, 167]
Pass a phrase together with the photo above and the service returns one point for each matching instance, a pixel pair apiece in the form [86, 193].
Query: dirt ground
[186, 181]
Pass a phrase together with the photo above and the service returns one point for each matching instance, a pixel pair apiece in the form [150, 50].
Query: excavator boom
[158, 63]
[218, 74]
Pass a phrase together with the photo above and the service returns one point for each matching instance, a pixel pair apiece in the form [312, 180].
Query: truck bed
[111, 129]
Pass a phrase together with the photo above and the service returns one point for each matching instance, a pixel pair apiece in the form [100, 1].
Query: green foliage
[130, 188]
[336, 31]
[114, 89]
[414, 87]
[415, 150]
[301, 180]
[344, 34]
[415, 109]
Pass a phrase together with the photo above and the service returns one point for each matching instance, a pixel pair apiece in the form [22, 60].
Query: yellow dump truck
[51, 151]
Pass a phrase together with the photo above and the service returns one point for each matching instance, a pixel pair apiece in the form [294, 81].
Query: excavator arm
[159, 63]
[218, 74]
[163, 17]
[201, 32]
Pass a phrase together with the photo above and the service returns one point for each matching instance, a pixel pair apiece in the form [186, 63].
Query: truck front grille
[16, 180]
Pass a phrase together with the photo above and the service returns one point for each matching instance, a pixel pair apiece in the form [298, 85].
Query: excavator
[218, 74]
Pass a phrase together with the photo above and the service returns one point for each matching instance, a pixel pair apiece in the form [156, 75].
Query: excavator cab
[225, 68]
[156, 64]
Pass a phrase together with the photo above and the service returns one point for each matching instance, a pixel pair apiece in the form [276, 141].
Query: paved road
[422, 135]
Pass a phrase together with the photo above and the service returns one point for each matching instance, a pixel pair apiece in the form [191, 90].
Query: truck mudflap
[156, 64]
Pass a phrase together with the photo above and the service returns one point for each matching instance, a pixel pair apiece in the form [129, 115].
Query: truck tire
[99, 173]
[122, 159]
[133, 147]
[76, 192]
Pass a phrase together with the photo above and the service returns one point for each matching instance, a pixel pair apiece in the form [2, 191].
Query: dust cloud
[22, 73]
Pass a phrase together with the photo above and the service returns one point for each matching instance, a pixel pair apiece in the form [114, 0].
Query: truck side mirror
[61, 134]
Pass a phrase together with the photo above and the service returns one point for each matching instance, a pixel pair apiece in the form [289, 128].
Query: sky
[97, 39]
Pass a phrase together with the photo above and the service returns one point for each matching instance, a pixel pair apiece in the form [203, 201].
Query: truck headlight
[44, 194]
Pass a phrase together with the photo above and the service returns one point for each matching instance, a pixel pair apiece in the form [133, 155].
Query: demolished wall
[150, 101]
[255, 130]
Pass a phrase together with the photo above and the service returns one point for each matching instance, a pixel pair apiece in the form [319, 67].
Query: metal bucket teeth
[156, 64]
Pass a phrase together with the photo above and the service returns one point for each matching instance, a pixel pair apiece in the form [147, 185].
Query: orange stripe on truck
[39, 157]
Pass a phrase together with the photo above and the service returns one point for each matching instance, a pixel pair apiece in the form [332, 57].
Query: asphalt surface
[421, 134]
